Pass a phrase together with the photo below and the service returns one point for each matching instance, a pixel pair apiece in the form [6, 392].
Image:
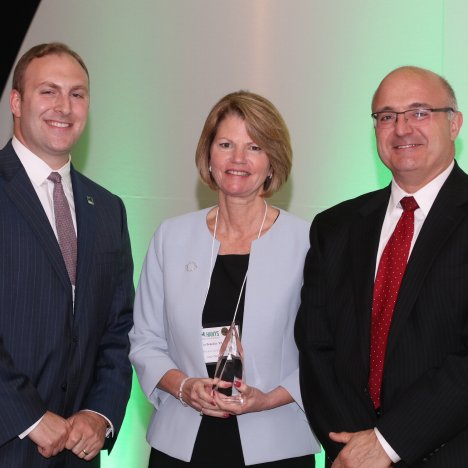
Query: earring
[270, 176]
[209, 167]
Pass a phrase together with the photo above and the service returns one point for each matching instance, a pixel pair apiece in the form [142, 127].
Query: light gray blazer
[167, 333]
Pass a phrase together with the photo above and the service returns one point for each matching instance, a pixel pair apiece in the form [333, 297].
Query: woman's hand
[198, 393]
[250, 399]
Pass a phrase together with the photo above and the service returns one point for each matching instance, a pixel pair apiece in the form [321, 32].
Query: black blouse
[219, 438]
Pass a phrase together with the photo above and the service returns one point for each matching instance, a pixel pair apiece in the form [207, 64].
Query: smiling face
[238, 165]
[51, 114]
[416, 154]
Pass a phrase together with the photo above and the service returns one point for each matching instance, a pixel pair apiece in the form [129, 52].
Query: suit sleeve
[429, 414]
[22, 405]
[110, 392]
[328, 406]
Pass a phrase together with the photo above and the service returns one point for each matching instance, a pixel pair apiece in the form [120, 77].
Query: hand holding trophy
[230, 365]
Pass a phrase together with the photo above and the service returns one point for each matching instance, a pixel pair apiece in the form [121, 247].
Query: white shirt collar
[425, 196]
[36, 168]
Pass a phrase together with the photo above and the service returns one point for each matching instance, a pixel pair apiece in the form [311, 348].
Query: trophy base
[232, 399]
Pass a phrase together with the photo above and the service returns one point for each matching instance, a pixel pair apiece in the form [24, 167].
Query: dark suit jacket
[425, 383]
[52, 358]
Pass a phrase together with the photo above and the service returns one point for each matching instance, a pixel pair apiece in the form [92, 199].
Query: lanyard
[212, 257]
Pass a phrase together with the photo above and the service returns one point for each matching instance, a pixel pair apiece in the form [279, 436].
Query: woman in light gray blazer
[240, 261]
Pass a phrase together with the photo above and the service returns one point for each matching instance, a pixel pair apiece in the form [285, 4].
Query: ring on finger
[85, 452]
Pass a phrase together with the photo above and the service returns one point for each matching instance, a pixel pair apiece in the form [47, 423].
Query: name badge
[212, 339]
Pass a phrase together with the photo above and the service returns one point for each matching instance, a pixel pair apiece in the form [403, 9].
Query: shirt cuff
[29, 429]
[388, 450]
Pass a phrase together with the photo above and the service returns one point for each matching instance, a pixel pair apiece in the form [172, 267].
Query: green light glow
[157, 67]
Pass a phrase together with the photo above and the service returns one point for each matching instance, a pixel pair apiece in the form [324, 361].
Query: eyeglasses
[419, 116]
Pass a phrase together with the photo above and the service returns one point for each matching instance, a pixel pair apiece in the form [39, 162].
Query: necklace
[212, 256]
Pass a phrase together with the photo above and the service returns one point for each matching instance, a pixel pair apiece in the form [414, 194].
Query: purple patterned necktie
[64, 224]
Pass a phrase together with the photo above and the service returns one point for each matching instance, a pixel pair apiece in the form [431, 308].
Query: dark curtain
[19, 17]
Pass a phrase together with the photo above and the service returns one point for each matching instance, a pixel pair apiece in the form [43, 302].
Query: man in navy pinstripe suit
[421, 418]
[65, 376]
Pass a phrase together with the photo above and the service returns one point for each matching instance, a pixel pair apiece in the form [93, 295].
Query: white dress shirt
[424, 198]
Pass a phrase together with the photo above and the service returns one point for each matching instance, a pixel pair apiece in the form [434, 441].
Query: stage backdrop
[158, 66]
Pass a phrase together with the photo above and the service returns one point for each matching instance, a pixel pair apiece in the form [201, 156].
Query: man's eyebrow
[413, 105]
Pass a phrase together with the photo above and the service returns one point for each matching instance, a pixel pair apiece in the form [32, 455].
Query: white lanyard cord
[212, 254]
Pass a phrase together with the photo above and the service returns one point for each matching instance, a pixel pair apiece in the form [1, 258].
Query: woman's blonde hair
[264, 125]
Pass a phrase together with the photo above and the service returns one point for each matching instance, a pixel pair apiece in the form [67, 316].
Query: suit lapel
[20, 190]
[86, 227]
[448, 210]
[365, 235]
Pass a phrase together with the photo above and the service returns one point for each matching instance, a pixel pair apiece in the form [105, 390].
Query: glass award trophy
[230, 365]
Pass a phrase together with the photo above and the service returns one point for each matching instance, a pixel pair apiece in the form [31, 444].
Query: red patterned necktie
[64, 224]
[387, 284]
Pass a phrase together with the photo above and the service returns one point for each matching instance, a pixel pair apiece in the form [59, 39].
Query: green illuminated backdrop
[157, 67]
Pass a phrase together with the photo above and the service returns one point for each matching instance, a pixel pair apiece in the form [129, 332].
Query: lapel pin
[191, 266]
[90, 199]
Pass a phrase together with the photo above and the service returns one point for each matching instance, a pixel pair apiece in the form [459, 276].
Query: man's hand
[51, 434]
[87, 435]
[362, 450]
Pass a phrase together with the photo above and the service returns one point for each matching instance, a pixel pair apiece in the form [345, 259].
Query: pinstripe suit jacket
[52, 358]
[425, 383]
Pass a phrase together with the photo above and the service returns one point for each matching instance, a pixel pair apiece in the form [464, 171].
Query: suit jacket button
[64, 387]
